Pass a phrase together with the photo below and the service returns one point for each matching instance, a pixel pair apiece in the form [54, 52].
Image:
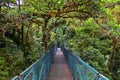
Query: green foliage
[91, 46]
[3, 69]
[10, 60]
[110, 1]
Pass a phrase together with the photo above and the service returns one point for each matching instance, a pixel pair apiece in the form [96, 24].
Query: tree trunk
[19, 8]
[46, 38]
[45, 33]
[22, 34]
[0, 8]
[113, 64]
[112, 57]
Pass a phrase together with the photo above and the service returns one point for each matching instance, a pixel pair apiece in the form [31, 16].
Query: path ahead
[59, 69]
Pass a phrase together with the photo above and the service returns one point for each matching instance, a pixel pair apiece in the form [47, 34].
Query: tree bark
[112, 58]
[45, 33]
[45, 39]
[22, 34]
[19, 8]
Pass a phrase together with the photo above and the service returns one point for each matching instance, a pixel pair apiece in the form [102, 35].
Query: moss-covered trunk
[114, 62]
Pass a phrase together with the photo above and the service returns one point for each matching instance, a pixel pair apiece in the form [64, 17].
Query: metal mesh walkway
[59, 68]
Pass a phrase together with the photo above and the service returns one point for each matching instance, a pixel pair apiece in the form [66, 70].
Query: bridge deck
[59, 68]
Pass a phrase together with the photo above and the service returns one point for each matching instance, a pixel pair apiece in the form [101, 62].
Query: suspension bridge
[60, 64]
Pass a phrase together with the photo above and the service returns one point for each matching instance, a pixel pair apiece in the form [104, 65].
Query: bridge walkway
[59, 68]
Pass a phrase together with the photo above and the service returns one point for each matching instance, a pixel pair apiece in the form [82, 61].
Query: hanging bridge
[60, 64]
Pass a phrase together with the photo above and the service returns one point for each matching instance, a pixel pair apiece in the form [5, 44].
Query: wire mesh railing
[38, 70]
[80, 69]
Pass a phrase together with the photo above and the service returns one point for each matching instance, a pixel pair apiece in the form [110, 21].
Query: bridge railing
[38, 70]
[80, 69]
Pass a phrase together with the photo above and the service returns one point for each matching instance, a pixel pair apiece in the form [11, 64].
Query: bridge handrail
[39, 69]
[74, 62]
